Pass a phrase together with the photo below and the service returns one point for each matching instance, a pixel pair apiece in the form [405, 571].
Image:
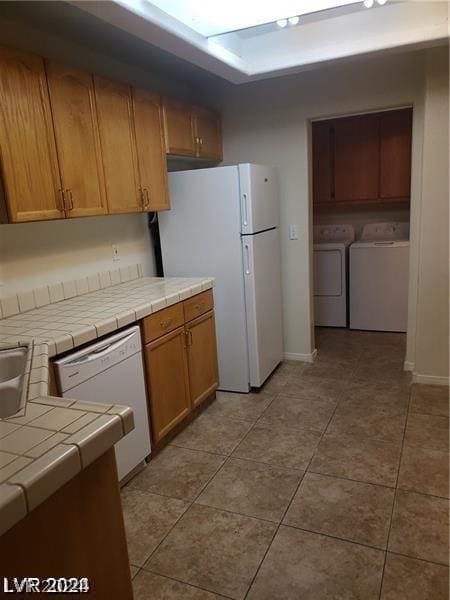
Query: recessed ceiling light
[368, 3]
[293, 20]
[282, 23]
[381, 2]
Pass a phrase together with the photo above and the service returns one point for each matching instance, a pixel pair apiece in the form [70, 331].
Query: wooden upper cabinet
[118, 145]
[179, 128]
[77, 140]
[208, 133]
[29, 163]
[202, 357]
[395, 154]
[150, 150]
[356, 158]
[322, 162]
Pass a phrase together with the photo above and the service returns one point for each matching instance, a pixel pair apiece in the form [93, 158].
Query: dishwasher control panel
[96, 358]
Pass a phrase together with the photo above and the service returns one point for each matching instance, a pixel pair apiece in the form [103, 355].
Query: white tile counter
[52, 439]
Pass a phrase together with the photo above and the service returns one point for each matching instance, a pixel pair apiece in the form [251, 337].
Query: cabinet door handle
[61, 202]
[146, 199]
[68, 199]
[141, 196]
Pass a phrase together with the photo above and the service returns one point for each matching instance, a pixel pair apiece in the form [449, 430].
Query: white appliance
[111, 372]
[379, 264]
[331, 244]
[224, 223]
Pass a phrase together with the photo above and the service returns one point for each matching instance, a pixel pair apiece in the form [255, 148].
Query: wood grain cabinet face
[150, 150]
[208, 134]
[118, 145]
[357, 158]
[27, 146]
[179, 128]
[395, 154]
[167, 381]
[323, 162]
[202, 357]
[77, 140]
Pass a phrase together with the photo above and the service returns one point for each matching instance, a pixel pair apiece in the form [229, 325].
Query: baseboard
[408, 366]
[309, 358]
[430, 379]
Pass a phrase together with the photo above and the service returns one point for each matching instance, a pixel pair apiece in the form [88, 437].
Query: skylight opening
[211, 17]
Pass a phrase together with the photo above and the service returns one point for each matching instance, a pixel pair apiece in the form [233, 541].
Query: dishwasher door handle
[94, 354]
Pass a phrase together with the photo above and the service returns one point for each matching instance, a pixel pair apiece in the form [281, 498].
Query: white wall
[431, 364]
[33, 254]
[268, 122]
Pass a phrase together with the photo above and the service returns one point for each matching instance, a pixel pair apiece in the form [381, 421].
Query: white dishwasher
[111, 372]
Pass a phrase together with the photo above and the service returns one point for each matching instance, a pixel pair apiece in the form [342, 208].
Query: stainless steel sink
[12, 367]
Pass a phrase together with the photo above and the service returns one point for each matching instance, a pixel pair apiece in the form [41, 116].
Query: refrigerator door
[259, 198]
[261, 258]
[200, 237]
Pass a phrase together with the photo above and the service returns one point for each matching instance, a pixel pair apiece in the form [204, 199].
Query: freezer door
[261, 256]
[259, 198]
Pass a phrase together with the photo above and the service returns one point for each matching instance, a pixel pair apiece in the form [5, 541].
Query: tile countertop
[52, 439]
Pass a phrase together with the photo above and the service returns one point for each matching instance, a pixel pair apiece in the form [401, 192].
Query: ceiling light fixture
[381, 2]
[368, 3]
[293, 20]
[282, 23]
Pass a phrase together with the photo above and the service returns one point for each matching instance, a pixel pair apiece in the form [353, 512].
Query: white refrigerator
[224, 223]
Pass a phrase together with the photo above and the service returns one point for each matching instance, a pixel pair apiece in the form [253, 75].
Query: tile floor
[332, 482]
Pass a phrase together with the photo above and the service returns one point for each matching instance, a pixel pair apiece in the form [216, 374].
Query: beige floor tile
[423, 470]
[411, 579]
[280, 446]
[330, 371]
[275, 383]
[148, 519]
[210, 433]
[302, 413]
[306, 566]
[361, 459]
[301, 387]
[376, 394]
[427, 431]
[382, 370]
[430, 399]
[178, 472]
[420, 527]
[215, 550]
[148, 586]
[359, 512]
[134, 571]
[385, 423]
[252, 489]
[247, 407]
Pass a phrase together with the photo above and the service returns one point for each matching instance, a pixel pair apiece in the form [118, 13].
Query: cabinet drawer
[162, 322]
[198, 305]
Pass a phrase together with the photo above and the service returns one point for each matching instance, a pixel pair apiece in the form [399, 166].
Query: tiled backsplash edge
[63, 290]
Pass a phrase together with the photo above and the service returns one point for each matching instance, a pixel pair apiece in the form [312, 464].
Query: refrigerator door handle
[244, 210]
[247, 259]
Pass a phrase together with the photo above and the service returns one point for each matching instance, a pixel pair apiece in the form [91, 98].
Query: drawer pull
[200, 306]
[165, 324]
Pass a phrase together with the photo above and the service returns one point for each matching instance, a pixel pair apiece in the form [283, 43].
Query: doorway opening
[361, 190]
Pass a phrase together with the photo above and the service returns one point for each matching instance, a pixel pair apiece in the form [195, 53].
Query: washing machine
[379, 266]
[331, 243]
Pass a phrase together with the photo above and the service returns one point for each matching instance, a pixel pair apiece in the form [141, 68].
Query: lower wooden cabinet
[167, 381]
[202, 357]
[181, 363]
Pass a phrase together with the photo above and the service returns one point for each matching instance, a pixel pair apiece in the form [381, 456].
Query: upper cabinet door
[150, 150]
[322, 162]
[27, 146]
[208, 134]
[395, 154]
[356, 164]
[77, 140]
[115, 119]
[179, 128]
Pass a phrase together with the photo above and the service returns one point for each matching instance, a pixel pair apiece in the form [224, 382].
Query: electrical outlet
[115, 252]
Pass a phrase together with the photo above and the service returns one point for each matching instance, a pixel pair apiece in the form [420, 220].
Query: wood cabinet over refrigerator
[362, 159]
[181, 360]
